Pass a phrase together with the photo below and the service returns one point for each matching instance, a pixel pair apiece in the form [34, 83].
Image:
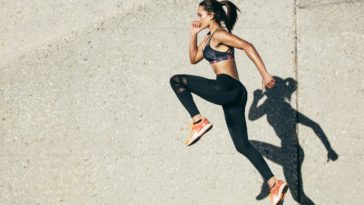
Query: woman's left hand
[268, 81]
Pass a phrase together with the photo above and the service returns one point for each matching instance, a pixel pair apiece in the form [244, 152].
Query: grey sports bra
[213, 55]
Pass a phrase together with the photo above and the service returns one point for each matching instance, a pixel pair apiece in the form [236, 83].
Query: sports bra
[213, 55]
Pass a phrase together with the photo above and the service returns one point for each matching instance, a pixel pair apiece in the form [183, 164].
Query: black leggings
[232, 95]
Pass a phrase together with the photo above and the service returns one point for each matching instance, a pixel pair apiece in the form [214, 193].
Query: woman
[218, 48]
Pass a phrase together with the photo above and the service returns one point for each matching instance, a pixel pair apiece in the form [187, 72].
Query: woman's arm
[230, 39]
[194, 51]
[193, 47]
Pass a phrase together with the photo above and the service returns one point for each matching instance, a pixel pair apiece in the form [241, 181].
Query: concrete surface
[88, 115]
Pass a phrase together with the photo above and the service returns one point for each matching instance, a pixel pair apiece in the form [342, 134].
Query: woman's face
[203, 17]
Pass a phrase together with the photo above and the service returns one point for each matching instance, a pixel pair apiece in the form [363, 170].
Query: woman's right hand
[195, 27]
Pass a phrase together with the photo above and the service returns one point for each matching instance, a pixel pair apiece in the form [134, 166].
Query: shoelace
[190, 128]
[190, 125]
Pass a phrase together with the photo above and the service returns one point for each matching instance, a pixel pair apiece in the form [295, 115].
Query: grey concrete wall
[88, 115]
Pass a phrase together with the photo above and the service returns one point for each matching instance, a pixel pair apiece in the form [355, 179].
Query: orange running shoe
[197, 131]
[277, 192]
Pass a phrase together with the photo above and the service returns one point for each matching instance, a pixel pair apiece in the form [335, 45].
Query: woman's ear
[212, 16]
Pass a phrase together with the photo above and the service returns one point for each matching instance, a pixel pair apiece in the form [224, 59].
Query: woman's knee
[176, 79]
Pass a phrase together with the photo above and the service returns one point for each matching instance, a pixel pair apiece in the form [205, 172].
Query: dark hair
[229, 18]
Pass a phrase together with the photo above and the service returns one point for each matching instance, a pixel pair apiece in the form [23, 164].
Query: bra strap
[208, 42]
[213, 34]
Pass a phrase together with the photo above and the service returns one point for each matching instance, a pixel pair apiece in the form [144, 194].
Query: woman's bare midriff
[227, 67]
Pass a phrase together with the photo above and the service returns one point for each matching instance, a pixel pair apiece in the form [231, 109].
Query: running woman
[226, 90]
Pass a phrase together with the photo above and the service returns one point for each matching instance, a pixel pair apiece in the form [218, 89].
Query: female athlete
[226, 90]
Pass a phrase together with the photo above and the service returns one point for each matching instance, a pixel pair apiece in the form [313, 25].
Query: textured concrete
[330, 90]
[88, 115]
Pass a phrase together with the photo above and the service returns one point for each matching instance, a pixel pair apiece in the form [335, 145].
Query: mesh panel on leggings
[177, 85]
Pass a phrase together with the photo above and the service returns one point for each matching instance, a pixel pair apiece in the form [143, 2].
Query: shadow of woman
[283, 118]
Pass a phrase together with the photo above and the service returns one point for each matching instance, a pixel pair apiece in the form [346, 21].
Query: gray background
[88, 115]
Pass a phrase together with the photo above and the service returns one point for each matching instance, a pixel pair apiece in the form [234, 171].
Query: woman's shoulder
[221, 33]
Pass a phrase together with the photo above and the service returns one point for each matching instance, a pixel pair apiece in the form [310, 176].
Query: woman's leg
[211, 90]
[235, 120]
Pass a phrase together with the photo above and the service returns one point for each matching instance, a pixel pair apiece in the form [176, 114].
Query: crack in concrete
[297, 101]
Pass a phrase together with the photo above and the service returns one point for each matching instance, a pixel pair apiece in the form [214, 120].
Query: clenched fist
[195, 26]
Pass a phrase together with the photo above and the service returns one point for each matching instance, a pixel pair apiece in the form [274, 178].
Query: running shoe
[197, 131]
[277, 192]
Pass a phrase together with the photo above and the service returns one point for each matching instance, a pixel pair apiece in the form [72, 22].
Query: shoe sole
[283, 192]
[282, 200]
[202, 132]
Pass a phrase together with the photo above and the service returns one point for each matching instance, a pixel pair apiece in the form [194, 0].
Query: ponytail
[231, 15]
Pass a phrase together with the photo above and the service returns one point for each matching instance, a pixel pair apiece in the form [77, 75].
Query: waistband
[227, 78]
